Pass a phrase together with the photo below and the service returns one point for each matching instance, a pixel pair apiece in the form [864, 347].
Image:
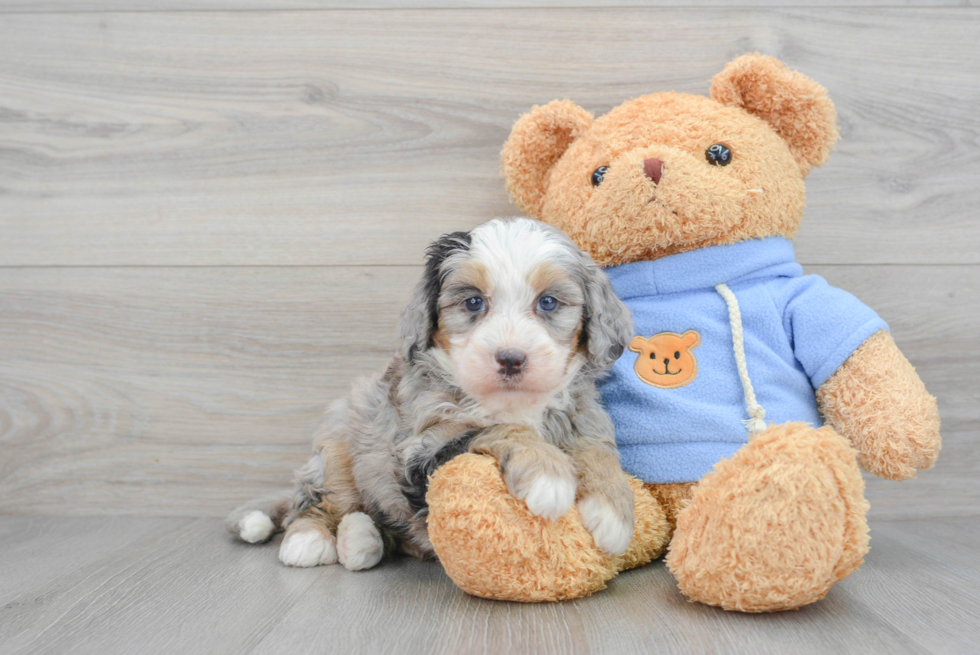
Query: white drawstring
[757, 415]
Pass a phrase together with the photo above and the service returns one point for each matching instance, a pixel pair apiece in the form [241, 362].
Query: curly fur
[775, 526]
[446, 392]
[878, 402]
[510, 554]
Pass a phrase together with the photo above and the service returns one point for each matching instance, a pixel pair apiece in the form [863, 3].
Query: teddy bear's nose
[654, 169]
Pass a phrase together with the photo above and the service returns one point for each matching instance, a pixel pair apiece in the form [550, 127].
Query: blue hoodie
[797, 331]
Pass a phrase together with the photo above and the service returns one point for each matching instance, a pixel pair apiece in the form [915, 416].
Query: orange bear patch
[665, 360]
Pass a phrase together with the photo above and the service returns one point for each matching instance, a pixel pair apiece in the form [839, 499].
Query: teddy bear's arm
[878, 402]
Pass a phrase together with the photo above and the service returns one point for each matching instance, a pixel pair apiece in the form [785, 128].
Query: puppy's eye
[677, 355]
[547, 304]
[598, 174]
[653, 355]
[474, 304]
[718, 154]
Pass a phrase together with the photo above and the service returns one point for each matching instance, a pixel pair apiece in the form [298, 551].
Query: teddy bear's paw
[878, 402]
[491, 545]
[774, 527]
[611, 530]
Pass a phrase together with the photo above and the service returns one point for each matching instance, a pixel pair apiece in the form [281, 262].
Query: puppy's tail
[257, 520]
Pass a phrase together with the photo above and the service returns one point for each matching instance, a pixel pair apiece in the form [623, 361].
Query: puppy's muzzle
[511, 362]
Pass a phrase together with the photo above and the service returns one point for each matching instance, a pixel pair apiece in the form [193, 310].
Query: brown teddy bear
[739, 358]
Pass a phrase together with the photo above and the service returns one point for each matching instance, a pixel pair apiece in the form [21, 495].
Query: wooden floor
[157, 585]
[212, 211]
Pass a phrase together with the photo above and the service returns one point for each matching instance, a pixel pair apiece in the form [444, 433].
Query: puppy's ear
[420, 319]
[537, 141]
[608, 326]
[794, 105]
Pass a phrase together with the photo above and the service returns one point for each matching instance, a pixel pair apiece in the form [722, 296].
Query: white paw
[550, 497]
[609, 531]
[359, 544]
[307, 548]
[255, 527]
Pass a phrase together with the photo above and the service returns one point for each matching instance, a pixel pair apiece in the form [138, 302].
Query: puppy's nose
[654, 169]
[511, 361]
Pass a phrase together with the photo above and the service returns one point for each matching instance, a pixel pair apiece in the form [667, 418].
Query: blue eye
[547, 304]
[474, 304]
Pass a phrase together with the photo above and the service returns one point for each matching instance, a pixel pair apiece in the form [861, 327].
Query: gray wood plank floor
[64, 6]
[130, 585]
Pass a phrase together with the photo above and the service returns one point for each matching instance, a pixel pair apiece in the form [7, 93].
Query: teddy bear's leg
[669, 498]
[775, 526]
[492, 546]
[672, 497]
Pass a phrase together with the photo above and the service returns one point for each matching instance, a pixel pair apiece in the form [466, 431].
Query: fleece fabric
[797, 330]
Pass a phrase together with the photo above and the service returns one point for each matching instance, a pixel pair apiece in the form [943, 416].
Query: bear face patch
[665, 360]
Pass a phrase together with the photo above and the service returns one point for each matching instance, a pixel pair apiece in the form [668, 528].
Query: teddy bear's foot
[775, 526]
[492, 546]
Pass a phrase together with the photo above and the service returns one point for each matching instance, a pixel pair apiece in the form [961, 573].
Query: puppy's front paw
[359, 544]
[612, 531]
[550, 496]
[544, 478]
[306, 548]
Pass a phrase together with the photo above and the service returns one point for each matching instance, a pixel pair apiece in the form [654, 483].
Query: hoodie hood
[706, 268]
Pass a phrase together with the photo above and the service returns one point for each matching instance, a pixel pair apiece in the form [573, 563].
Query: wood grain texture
[64, 6]
[159, 387]
[355, 137]
[212, 212]
[183, 391]
[184, 586]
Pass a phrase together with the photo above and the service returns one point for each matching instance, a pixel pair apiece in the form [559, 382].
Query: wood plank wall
[211, 212]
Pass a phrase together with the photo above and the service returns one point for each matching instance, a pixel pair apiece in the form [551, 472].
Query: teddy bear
[751, 395]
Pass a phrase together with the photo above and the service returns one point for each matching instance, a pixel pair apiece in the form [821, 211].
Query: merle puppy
[502, 342]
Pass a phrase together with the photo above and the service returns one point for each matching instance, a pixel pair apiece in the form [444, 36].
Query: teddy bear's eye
[653, 355]
[598, 174]
[719, 155]
[677, 355]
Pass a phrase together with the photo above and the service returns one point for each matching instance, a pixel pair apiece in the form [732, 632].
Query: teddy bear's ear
[691, 339]
[794, 105]
[538, 140]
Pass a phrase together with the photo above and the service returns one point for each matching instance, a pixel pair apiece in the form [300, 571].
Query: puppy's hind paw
[550, 497]
[359, 544]
[307, 548]
[611, 532]
[255, 527]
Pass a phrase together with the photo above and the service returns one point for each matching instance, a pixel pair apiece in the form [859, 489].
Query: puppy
[502, 342]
